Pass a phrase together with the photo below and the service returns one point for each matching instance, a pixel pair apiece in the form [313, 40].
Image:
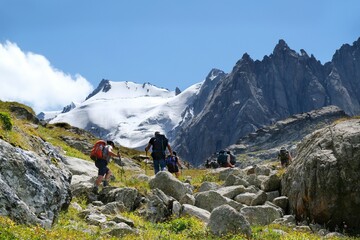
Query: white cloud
[30, 79]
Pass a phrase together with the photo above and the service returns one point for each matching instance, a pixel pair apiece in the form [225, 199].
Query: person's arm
[170, 151]
[147, 148]
[178, 162]
[112, 153]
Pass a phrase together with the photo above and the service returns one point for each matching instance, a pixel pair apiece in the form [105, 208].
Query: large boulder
[261, 215]
[170, 185]
[33, 188]
[225, 219]
[323, 182]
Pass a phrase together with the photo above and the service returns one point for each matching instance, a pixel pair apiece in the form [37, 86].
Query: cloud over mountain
[29, 78]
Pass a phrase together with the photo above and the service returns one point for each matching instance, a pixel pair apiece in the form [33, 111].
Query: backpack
[171, 163]
[98, 150]
[284, 154]
[160, 143]
[222, 158]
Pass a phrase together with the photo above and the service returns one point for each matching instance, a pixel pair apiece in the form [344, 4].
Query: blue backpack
[171, 163]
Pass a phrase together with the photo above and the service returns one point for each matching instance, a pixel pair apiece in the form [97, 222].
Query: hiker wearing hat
[101, 164]
[284, 157]
[159, 143]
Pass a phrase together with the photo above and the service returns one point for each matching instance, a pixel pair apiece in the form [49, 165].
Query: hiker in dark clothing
[223, 159]
[101, 164]
[284, 157]
[159, 143]
[173, 164]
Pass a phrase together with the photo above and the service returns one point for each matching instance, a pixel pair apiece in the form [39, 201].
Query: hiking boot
[105, 183]
[95, 189]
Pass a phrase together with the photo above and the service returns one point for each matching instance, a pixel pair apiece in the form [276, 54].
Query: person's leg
[162, 164]
[156, 166]
[102, 171]
[177, 174]
[107, 177]
[99, 180]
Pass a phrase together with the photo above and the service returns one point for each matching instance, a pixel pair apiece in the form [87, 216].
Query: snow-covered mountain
[129, 113]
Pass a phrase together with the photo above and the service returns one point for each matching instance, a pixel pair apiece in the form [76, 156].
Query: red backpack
[97, 150]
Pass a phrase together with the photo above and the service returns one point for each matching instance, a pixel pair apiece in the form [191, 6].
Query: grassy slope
[24, 133]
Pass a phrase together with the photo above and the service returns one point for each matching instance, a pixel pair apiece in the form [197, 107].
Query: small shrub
[6, 120]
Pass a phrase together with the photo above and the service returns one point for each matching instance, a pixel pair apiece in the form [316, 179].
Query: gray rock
[113, 208]
[169, 185]
[159, 206]
[188, 199]
[334, 234]
[260, 215]
[271, 195]
[324, 176]
[282, 202]
[262, 170]
[176, 208]
[120, 230]
[230, 191]
[245, 198]
[130, 197]
[209, 200]
[194, 211]
[120, 219]
[225, 219]
[95, 219]
[259, 198]
[33, 188]
[206, 186]
[286, 220]
[271, 183]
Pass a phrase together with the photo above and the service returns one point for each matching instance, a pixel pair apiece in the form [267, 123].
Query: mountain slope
[129, 113]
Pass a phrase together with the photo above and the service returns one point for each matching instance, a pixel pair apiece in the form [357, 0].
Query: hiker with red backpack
[101, 154]
[159, 143]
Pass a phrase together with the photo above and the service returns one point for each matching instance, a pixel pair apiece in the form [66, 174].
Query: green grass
[69, 225]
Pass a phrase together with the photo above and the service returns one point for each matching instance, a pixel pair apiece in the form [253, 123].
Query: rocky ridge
[258, 93]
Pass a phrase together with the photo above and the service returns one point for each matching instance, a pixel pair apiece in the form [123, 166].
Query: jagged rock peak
[68, 108]
[244, 59]
[282, 49]
[214, 73]
[177, 91]
[281, 46]
[103, 86]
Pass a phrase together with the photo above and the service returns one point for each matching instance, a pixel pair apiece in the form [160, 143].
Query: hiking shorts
[102, 166]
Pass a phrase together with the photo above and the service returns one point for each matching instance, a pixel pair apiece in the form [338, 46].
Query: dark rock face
[264, 143]
[323, 183]
[258, 93]
[103, 86]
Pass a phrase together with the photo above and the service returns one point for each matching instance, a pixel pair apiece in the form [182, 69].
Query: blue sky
[169, 43]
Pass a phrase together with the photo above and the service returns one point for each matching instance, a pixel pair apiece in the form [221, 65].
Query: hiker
[223, 159]
[159, 143]
[102, 163]
[284, 157]
[232, 157]
[173, 164]
[211, 164]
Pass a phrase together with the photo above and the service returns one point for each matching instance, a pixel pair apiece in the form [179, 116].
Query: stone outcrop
[33, 188]
[323, 183]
